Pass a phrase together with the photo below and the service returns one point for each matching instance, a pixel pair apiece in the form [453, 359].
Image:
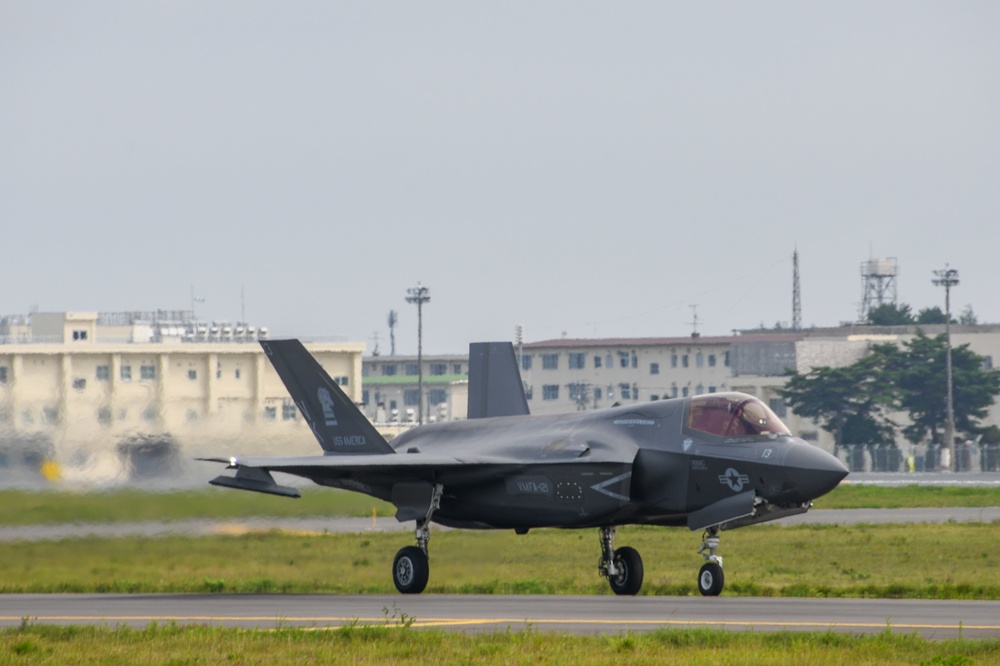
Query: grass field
[22, 507]
[401, 645]
[949, 561]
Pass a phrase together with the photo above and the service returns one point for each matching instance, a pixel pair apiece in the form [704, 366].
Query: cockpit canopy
[733, 415]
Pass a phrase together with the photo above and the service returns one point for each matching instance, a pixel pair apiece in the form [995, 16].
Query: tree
[890, 314]
[968, 317]
[932, 315]
[917, 371]
[849, 402]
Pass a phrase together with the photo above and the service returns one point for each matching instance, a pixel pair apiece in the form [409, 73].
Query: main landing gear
[710, 578]
[622, 567]
[411, 568]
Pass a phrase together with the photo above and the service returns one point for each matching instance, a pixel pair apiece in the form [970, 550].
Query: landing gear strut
[710, 578]
[410, 568]
[622, 567]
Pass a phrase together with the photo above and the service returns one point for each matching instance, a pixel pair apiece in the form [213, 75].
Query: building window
[699, 360]
[711, 360]
[654, 397]
[778, 406]
[341, 380]
[597, 361]
[389, 370]
[529, 392]
[635, 391]
[711, 389]
[79, 383]
[103, 373]
[437, 396]
[726, 360]
[684, 392]
[412, 369]
[654, 368]
[411, 397]
[149, 414]
[192, 374]
[287, 410]
[365, 370]
[104, 416]
[673, 360]
[684, 360]
[526, 362]
[456, 369]
[147, 372]
[364, 397]
[699, 389]
[236, 373]
[79, 335]
[550, 361]
[597, 392]
[438, 369]
[577, 361]
[623, 359]
[3, 374]
[578, 391]
[625, 390]
[550, 392]
[270, 413]
[635, 360]
[50, 416]
[127, 373]
[673, 391]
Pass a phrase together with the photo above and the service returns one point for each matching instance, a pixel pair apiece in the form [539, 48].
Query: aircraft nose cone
[815, 471]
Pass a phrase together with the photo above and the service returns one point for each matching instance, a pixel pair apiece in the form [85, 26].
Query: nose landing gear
[710, 577]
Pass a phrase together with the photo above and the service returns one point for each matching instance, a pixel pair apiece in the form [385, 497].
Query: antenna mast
[796, 294]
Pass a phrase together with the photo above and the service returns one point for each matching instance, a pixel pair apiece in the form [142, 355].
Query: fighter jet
[710, 462]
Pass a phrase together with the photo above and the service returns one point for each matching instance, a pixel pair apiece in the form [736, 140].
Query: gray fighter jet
[710, 462]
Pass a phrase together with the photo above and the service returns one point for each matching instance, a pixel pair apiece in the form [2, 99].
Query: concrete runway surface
[569, 614]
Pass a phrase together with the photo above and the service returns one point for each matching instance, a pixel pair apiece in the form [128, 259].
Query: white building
[83, 387]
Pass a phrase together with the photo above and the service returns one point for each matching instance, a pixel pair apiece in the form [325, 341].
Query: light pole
[948, 278]
[419, 295]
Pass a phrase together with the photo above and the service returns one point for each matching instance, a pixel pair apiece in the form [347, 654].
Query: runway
[568, 614]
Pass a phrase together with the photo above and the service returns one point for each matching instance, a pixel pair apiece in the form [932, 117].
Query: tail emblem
[326, 401]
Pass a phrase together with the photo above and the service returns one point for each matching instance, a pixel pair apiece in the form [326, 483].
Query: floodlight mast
[419, 295]
[948, 278]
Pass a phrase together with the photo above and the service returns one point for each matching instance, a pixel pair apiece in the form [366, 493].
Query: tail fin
[337, 423]
[495, 387]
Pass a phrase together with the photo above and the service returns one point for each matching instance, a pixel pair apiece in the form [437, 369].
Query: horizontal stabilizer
[723, 511]
[257, 480]
[495, 387]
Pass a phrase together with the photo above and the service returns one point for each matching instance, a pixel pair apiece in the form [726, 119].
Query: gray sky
[585, 167]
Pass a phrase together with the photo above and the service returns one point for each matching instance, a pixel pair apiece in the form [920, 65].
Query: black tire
[410, 570]
[711, 579]
[628, 580]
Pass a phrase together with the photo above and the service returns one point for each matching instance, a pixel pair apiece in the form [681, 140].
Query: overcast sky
[578, 167]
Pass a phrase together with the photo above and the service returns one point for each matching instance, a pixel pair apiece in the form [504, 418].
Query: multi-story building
[86, 384]
[390, 392]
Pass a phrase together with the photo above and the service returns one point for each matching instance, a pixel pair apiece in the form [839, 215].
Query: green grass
[25, 507]
[383, 644]
[857, 496]
[949, 561]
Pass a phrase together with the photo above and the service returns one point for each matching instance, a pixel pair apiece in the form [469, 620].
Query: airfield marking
[460, 622]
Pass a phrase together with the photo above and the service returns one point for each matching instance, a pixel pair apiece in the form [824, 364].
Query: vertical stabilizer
[336, 422]
[495, 387]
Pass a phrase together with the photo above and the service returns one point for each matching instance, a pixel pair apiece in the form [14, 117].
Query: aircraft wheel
[710, 579]
[410, 570]
[628, 564]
